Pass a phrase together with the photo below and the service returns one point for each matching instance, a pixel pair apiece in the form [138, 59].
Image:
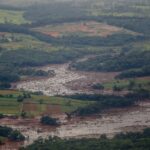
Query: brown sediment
[53, 110]
[68, 81]
[110, 122]
[29, 107]
[53, 34]
[90, 28]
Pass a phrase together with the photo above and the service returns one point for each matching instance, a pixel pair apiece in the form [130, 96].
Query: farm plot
[45, 105]
[87, 28]
[9, 106]
[36, 105]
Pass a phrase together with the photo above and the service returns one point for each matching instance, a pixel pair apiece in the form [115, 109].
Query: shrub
[49, 121]
[16, 136]
[1, 116]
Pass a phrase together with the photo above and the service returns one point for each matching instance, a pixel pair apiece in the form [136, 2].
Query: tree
[26, 95]
[98, 86]
[23, 114]
[1, 116]
[131, 84]
[20, 98]
[5, 131]
[16, 136]
[2, 140]
[116, 88]
[46, 120]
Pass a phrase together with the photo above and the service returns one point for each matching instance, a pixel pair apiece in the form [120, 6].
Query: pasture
[134, 84]
[11, 16]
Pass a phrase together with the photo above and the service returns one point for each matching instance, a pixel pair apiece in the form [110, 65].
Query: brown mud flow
[67, 82]
[110, 123]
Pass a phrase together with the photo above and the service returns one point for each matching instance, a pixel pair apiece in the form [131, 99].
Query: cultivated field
[36, 105]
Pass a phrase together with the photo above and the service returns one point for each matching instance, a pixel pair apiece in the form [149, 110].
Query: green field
[124, 84]
[13, 41]
[143, 45]
[36, 105]
[133, 9]
[21, 3]
[14, 17]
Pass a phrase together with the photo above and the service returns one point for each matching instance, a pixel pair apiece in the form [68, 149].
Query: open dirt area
[28, 107]
[88, 28]
[110, 123]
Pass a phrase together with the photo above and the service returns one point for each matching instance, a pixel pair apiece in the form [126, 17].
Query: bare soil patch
[30, 107]
[3, 33]
[52, 33]
[9, 145]
[53, 110]
[88, 28]
[92, 78]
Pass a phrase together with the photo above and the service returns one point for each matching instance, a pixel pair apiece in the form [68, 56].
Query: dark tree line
[105, 102]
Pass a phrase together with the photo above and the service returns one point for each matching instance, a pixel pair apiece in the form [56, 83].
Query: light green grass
[66, 104]
[22, 41]
[11, 106]
[144, 82]
[143, 45]
[15, 17]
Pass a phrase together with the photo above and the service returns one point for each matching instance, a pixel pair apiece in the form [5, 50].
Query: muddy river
[114, 121]
[69, 82]
[66, 81]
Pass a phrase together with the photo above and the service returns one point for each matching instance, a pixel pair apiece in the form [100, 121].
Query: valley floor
[68, 82]
[132, 119]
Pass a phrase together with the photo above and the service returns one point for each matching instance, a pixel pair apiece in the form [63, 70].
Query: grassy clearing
[15, 41]
[9, 106]
[21, 41]
[15, 17]
[22, 3]
[87, 28]
[133, 9]
[36, 105]
[114, 14]
[124, 84]
[143, 45]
